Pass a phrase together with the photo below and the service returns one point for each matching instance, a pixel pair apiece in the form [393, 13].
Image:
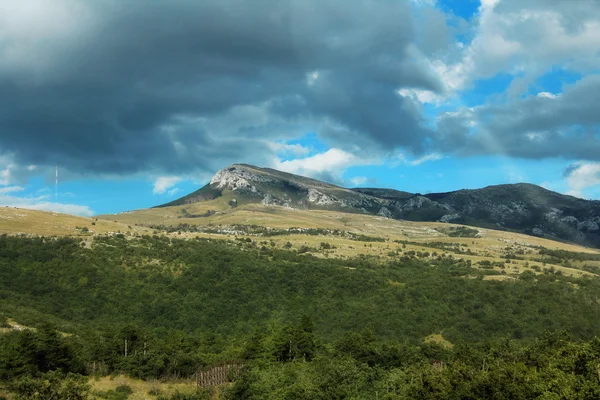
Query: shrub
[304, 249]
[52, 385]
[154, 391]
[124, 389]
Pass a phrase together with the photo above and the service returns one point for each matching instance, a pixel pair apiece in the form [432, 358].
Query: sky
[139, 103]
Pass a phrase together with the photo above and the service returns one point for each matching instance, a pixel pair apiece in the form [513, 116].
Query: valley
[315, 301]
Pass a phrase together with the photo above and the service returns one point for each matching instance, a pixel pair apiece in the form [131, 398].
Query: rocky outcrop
[320, 199]
[450, 218]
[385, 212]
[237, 178]
[271, 189]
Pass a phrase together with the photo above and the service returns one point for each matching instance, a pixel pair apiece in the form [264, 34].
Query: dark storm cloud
[178, 86]
[535, 127]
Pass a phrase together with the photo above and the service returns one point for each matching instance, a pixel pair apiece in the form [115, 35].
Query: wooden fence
[218, 375]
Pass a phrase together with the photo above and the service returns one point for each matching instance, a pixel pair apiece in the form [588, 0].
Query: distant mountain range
[518, 207]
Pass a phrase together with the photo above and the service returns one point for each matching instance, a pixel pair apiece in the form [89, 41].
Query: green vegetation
[186, 214]
[365, 238]
[563, 255]
[462, 231]
[305, 327]
[445, 246]
[255, 230]
[360, 367]
[51, 385]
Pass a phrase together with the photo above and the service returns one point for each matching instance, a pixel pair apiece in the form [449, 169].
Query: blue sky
[417, 95]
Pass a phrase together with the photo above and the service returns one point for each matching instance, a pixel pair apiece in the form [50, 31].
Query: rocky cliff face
[526, 208]
[238, 178]
[275, 187]
[520, 207]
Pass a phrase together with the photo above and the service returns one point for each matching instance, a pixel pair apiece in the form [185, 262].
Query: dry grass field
[16, 221]
[398, 238]
[142, 389]
[425, 237]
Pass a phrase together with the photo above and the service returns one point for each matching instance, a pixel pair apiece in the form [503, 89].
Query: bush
[304, 249]
[463, 231]
[124, 389]
[527, 276]
[51, 385]
[112, 395]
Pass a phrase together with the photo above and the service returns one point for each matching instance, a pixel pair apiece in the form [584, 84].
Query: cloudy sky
[140, 102]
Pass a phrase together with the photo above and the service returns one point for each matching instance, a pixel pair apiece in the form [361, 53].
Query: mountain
[526, 208]
[389, 194]
[519, 207]
[271, 187]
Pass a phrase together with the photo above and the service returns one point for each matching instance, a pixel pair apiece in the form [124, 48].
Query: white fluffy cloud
[297, 150]
[359, 180]
[404, 159]
[11, 189]
[164, 183]
[4, 176]
[425, 158]
[423, 96]
[328, 166]
[42, 203]
[581, 176]
[330, 161]
[526, 38]
[12, 195]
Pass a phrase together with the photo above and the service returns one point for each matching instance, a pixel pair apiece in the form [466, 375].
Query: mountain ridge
[520, 207]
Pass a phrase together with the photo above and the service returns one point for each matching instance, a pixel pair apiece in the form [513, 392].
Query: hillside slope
[526, 208]
[17, 221]
[521, 207]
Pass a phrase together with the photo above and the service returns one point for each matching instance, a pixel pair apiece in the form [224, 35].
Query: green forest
[304, 327]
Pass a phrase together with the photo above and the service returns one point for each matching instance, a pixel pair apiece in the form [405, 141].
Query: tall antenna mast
[56, 186]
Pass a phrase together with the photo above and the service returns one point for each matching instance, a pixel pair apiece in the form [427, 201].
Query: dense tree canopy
[306, 327]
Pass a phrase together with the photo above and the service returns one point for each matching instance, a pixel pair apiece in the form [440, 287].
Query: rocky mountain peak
[238, 177]
[520, 207]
